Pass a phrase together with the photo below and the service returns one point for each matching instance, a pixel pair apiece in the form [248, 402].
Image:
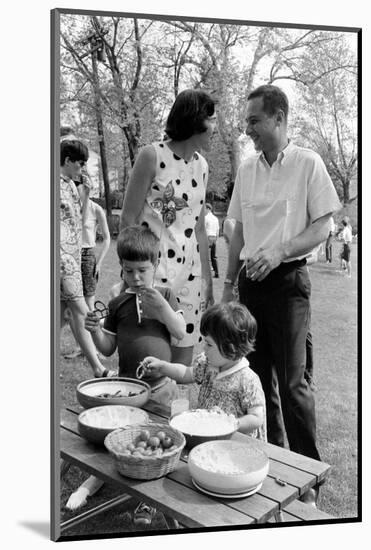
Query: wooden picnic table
[290, 476]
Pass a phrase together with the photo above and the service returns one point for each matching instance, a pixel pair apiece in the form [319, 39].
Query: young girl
[222, 371]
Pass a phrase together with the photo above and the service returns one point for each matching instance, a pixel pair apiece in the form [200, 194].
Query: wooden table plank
[191, 508]
[281, 494]
[301, 462]
[258, 507]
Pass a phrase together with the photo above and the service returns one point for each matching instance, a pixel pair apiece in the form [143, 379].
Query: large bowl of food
[228, 467]
[113, 391]
[97, 422]
[145, 451]
[201, 425]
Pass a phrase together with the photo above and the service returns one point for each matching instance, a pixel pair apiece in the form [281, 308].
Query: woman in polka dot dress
[166, 191]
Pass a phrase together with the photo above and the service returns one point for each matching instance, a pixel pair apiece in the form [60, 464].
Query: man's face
[262, 128]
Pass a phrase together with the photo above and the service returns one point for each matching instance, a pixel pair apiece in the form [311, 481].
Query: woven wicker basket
[144, 467]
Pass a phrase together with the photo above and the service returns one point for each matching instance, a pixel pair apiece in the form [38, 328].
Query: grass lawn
[334, 327]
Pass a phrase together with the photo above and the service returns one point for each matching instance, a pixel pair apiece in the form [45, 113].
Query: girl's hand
[91, 322]
[153, 367]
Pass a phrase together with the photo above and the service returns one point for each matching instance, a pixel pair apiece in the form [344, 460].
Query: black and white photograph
[207, 266]
[199, 167]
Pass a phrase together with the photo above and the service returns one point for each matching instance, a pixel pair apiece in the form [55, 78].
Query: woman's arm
[252, 420]
[203, 244]
[102, 221]
[140, 180]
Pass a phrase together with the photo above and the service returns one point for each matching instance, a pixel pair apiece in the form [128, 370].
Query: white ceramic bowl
[101, 391]
[95, 423]
[228, 467]
[201, 425]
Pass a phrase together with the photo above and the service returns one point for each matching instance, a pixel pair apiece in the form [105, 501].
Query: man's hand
[263, 262]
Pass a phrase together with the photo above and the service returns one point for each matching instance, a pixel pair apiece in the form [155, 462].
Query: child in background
[91, 259]
[222, 371]
[136, 332]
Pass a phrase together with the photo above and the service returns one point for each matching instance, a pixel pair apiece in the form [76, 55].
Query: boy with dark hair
[141, 321]
[73, 156]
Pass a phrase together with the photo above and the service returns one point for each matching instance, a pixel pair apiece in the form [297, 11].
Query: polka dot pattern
[176, 183]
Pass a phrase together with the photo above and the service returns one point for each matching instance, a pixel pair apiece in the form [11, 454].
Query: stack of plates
[243, 494]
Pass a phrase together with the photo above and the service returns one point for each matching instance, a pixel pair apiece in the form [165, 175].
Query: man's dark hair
[137, 243]
[232, 327]
[188, 113]
[74, 150]
[273, 97]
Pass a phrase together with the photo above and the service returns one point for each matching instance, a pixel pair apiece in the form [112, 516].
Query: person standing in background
[329, 240]
[91, 261]
[212, 232]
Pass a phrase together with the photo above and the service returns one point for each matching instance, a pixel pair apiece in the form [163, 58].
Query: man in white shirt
[212, 232]
[282, 201]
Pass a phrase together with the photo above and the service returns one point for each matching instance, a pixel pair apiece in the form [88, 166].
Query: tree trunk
[102, 144]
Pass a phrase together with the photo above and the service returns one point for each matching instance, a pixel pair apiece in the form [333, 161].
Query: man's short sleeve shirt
[276, 203]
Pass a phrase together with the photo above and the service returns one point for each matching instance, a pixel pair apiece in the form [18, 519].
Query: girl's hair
[137, 243]
[188, 113]
[74, 150]
[232, 327]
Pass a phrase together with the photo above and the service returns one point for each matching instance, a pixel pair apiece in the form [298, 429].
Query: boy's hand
[153, 303]
[91, 321]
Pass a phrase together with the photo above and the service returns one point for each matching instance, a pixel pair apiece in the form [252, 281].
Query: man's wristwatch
[228, 282]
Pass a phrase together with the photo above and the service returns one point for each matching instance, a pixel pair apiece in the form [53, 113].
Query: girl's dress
[171, 210]
[235, 391]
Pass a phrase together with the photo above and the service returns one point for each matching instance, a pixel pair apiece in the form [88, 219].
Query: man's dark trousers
[281, 306]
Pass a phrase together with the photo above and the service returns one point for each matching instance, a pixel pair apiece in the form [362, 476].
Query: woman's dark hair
[274, 99]
[188, 113]
[232, 327]
[74, 150]
[137, 243]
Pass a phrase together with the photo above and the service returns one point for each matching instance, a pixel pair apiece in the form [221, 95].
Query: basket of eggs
[145, 451]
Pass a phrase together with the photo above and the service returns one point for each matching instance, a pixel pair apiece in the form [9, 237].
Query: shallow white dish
[113, 391]
[97, 422]
[201, 425]
[227, 466]
[224, 495]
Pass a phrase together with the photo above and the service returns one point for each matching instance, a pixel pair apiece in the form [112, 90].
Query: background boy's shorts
[345, 253]
[70, 278]
[88, 266]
